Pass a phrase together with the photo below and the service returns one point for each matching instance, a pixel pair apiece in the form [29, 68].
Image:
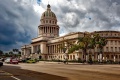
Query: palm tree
[84, 43]
[100, 43]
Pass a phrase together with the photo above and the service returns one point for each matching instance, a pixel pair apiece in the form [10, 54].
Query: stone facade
[47, 44]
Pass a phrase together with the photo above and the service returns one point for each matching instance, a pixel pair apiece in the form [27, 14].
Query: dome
[48, 13]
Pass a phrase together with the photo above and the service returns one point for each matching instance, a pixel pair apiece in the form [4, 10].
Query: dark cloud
[18, 24]
[103, 14]
[18, 21]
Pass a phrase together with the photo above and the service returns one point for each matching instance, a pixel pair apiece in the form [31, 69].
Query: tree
[100, 43]
[6, 55]
[15, 50]
[1, 53]
[84, 43]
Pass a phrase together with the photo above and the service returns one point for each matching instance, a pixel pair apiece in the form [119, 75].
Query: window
[119, 49]
[73, 57]
[115, 49]
[116, 56]
[106, 34]
[50, 21]
[111, 49]
[107, 56]
[118, 34]
[107, 49]
[46, 21]
[68, 56]
[112, 56]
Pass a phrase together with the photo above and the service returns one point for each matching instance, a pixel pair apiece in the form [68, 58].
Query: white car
[7, 60]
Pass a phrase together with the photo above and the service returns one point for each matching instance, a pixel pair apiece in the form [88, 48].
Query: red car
[13, 61]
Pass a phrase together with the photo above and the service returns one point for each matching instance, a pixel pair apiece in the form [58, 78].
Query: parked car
[2, 59]
[31, 61]
[7, 60]
[1, 63]
[13, 61]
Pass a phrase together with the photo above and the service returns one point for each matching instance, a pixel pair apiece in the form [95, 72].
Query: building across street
[47, 45]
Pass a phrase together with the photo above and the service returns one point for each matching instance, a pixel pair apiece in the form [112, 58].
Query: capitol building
[47, 44]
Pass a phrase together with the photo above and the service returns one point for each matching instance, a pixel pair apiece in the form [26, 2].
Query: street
[55, 71]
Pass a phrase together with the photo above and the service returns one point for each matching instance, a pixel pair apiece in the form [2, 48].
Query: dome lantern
[48, 6]
[48, 14]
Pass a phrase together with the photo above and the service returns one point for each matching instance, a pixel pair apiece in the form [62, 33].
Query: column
[51, 49]
[48, 49]
[55, 48]
[43, 29]
[51, 29]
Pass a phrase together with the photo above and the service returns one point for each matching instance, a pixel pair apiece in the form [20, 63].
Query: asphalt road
[14, 72]
[55, 71]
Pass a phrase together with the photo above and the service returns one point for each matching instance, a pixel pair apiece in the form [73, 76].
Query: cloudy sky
[19, 19]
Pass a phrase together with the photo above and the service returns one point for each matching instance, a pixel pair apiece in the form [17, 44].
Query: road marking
[15, 78]
[9, 74]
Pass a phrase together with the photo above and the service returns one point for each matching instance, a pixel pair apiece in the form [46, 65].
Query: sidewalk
[50, 62]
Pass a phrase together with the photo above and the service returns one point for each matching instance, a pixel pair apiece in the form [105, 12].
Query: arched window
[112, 56]
[116, 56]
[73, 57]
[107, 56]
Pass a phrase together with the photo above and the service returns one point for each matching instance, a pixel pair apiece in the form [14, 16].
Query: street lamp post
[101, 55]
[65, 55]
[98, 55]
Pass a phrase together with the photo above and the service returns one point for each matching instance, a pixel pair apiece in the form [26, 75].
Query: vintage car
[13, 61]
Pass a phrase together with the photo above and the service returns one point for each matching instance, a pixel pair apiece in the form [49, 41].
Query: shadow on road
[30, 75]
